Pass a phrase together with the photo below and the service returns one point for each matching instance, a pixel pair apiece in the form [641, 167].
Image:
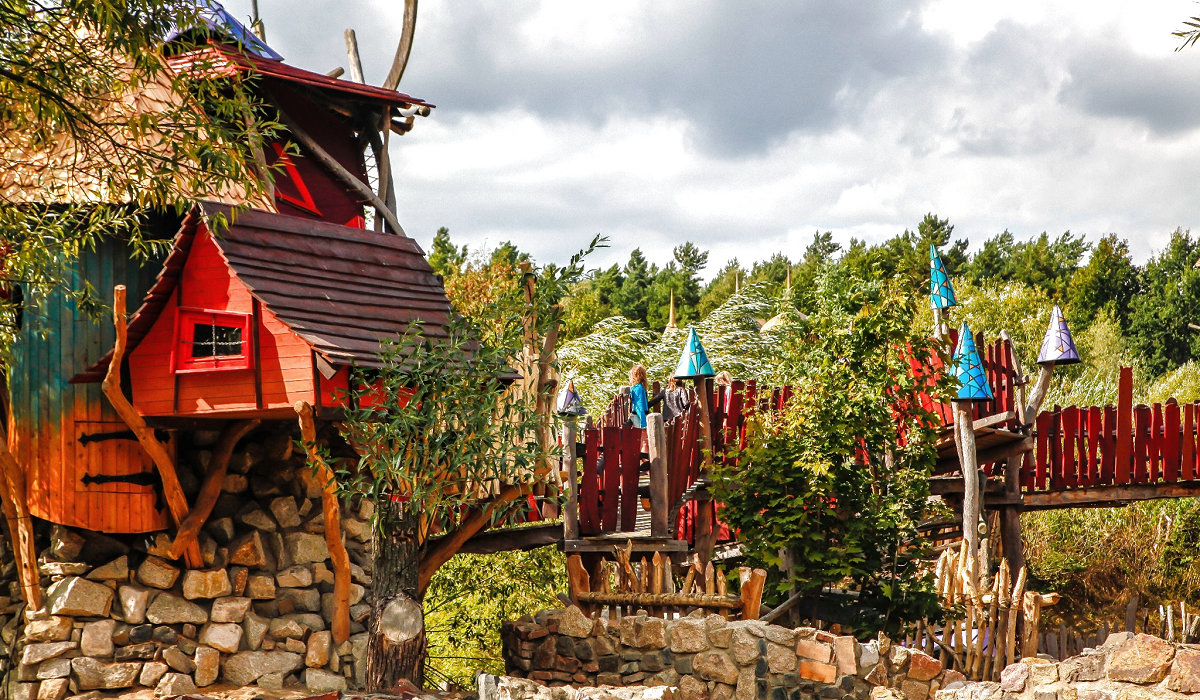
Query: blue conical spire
[693, 364]
[1058, 346]
[569, 403]
[973, 383]
[941, 294]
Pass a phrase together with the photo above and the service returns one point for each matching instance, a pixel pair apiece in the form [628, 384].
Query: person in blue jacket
[639, 396]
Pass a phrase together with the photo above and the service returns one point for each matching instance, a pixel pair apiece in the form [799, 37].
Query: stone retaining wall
[1125, 667]
[710, 658]
[118, 614]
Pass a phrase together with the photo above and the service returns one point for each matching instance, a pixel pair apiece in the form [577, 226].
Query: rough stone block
[53, 689]
[168, 609]
[318, 680]
[689, 636]
[204, 584]
[922, 666]
[715, 666]
[914, 690]
[819, 672]
[248, 551]
[319, 647]
[1014, 677]
[781, 659]
[229, 609]
[115, 570]
[817, 651]
[176, 659]
[222, 636]
[77, 597]
[50, 629]
[96, 639]
[54, 668]
[207, 665]
[91, 674]
[174, 684]
[37, 653]
[1143, 659]
[305, 547]
[134, 600]
[152, 673]
[157, 573]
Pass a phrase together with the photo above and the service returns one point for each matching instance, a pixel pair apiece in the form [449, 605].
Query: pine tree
[444, 257]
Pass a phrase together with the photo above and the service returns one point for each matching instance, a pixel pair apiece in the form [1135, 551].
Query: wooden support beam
[571, 516]
[964, 436]
[400, 62]
[356, 71]
[994, 419]
[1113, 495]
[510, 539]
[751, 593]
[111, 386]
[340, 626]
[210, 490]
[994, 454]
[15, 502]
[656, 440]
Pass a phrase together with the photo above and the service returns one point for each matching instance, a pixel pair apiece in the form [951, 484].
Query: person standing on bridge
[639, 396]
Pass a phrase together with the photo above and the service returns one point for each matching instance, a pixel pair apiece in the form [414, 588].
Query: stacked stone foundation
[711, 658]
[118, 614]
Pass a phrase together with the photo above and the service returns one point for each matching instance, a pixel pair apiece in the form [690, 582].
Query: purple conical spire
[1058, 346]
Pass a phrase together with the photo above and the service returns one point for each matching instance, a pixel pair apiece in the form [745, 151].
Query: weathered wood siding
[50, 415]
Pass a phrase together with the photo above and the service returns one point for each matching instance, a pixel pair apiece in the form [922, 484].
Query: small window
[211, 340]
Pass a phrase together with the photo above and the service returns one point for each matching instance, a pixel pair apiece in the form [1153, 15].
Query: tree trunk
[396, 646]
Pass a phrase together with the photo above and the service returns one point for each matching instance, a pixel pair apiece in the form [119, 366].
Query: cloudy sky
[745, 126]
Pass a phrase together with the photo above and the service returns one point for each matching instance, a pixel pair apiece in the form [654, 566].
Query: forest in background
[1121, 313]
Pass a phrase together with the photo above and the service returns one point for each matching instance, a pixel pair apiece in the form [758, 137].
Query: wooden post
[1131, 614]
[705, 529]
[356, 72]
[578, 580]
[340, 626]
[1018, 596]
[571, 516]
[1010, 514]
[964, 433]
[656, 440]
[20, 526]
[1032, 607]
[405, 46]
[111, 386]
[752, 588]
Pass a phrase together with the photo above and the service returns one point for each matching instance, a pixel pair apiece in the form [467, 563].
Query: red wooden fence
[1093, 446]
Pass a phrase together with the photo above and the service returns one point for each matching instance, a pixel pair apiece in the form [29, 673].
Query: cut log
[210, 490]
[752, 590]
[111, 386]
[333, 525]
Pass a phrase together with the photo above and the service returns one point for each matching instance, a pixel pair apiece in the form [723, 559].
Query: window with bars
[211, 340]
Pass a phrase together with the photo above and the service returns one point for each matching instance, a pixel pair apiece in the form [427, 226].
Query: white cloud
[746, 129]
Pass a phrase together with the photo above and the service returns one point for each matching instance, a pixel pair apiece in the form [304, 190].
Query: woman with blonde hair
[639, 396]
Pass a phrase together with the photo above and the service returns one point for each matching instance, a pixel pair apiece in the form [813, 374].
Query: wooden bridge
[624, 488]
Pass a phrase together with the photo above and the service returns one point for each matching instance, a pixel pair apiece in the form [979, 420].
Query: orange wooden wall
[284, 361]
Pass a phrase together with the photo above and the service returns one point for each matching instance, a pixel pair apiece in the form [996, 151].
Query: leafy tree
[1040, 262]
[1108, 282]
[1168, 301]
[446, 259]
[98, 132]
[907, 255]
[722, 286]
[829, 479]
[631, 297]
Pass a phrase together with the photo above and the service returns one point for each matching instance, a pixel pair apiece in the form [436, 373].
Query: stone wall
[1125, 667]
[710, 658]
[118, 614]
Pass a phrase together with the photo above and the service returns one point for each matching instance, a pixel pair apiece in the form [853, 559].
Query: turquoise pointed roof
[973, 384]
[693, 363]
[941, 294]
[1058, 346]
[569, 403]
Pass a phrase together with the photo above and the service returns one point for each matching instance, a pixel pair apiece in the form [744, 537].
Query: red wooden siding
[283, 361]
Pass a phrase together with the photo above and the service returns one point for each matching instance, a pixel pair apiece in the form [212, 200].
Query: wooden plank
[571, 513]
[631, 451]
[611, 478]
[1188, 471]
[1155, 444]
[1070, 427]
[1141, 443]
[1171, 435]
[1043, 450]
[656, 442]
[589, 495]
[1108, 446]
[1124, 452]
[1056, 455]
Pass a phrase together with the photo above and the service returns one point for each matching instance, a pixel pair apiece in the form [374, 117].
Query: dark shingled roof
[339, 288]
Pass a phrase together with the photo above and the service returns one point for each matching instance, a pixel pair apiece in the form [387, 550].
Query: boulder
[37, 653]
[285, 511]
[50, 629]
[260, 587]
[208, 661]
[229, 609]
[688, 636]
[157, 573]
[173, 685]
[305, 547]
[91, 674]
[211, 583]
[255, 628]
[77, 597]
[65, 544]
[53, 689]
[716, 666]
[152, 673]
[222, 636]
[294, 577]
[1013, 678]
[320, 645]
[922, 666]
[97, 638]
[134, 600]
[1143, 659]
[115, 570]
[176, 659]
[248, 551]
[319, 681]
[248, 666]
[1185, 671]
[168, 609]
[572, 622]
